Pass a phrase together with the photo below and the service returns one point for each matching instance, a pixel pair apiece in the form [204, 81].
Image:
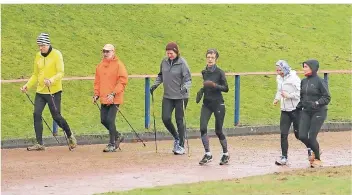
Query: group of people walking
[303, 103]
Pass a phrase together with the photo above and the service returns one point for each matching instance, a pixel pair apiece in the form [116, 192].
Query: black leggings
[287, 118]
[219, 112]
[107, 117]
[39, 103]
[168, 105]
[309, 127]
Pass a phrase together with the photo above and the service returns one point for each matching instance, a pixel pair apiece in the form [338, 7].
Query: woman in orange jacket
[109, 85]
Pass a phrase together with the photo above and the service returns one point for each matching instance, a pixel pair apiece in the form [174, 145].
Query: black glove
[315, 105]
[183, 90]
[152, 88]
[311, 105]
[299, 106]
[199, 95]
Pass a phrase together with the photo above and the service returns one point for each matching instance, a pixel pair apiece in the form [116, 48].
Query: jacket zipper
[307, 87]
[283, 99]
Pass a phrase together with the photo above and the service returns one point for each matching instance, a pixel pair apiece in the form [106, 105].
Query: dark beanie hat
[172, 46]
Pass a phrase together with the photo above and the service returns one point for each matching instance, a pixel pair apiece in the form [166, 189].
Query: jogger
[176, 78]
[109, 85]
[288, 93]
[48, 72]
[315, 97]
[214, 84]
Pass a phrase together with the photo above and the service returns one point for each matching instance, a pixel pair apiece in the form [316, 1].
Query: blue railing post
[237, 99]
[55, 128]
[147, 103]
[326, 77]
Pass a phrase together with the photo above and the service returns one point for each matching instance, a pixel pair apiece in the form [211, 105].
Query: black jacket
[213, 94]
[315, 93]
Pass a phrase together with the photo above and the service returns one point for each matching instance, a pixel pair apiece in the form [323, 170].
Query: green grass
[248, 37]
[332, 180]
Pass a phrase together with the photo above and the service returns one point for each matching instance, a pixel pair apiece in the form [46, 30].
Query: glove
[209, 84]
[183, 90]
[299, 106]
[315, 105]
[95, 98]
[199, 95]
[152, 88]
[311, 104]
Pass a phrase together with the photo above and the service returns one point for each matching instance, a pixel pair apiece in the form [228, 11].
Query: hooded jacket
[291, 84]
[315, 93]
[110, 77]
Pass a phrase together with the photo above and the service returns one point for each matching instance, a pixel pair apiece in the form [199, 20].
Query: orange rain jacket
[110, 77]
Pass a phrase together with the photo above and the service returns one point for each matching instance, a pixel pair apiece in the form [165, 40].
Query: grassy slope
[249, 38]
[332, 180]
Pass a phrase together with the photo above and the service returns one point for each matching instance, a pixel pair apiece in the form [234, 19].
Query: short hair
[212, 51]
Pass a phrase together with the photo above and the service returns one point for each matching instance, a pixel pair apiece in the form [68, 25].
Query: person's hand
[47, 82]
[111, 97]
[95, 98]
[315, 105]
[152, 88]
[199, 95]
[284, 94]
[183, 90]
[275, 102]
[209, 84]
[24, 89]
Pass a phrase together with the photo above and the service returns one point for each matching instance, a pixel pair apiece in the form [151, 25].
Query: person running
[47, 76]
[213, 102]
[110, 82]
[288, 93]
[176, 78]
[315, 97]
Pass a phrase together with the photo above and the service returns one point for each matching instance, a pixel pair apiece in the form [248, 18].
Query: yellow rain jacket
[49, 67]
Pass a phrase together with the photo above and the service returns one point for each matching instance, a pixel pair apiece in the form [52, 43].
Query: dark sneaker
[224, 160]
[110, 148]
[206, 159]
[36, 147]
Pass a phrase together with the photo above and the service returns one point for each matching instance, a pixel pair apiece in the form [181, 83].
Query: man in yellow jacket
[47, 76]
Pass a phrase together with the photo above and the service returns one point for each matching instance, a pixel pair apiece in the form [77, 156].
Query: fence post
[147, 103]
[326, 77]
[237, 99]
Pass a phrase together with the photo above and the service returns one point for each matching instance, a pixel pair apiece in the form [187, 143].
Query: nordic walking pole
[44, 120]
[100, 110]
[131, 126]
[156, 145]
[52, 99]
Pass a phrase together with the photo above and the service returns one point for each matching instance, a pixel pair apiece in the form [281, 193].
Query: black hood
[313, 65]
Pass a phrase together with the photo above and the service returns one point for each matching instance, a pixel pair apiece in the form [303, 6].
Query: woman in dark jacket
[214, 84]
[315, 97]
